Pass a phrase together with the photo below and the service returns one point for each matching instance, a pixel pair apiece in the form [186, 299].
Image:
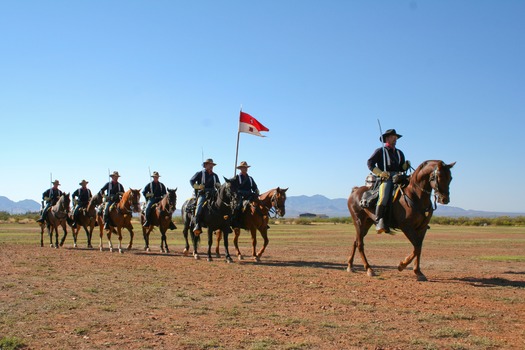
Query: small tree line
[436, 220]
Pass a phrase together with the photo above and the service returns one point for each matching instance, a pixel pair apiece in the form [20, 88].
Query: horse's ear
[286, 189]
[227, 180]
[176, 189]
[451, 165]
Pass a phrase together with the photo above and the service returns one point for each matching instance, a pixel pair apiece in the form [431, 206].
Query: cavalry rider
[394, 160]
[203, 182]
[81, 198]
[114, 191]
[51, 197]
[246, 192]
[153, 192]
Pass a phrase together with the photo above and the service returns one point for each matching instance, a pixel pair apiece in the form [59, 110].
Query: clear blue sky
[87, 86]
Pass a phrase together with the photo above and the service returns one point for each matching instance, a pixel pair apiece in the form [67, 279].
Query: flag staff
[237, 148]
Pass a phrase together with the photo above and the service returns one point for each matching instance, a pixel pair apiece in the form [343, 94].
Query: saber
[382, 144]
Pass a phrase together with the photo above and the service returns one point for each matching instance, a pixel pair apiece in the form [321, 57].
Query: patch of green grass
[11, 343]
[263, 344]
[448, 332]
[80, 331]
[92, 290]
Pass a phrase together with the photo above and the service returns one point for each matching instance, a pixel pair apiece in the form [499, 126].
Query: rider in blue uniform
[114, 191]
[51, 197]
[81, 198]
[203, 182]
[153, 192]
[395, 162]
[246, 192]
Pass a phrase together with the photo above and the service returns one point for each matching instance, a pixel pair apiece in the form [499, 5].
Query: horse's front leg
[131, 234]
[164, 238]
[350, 267]
[237, 233]
[195, 240]
[56, 236]
[41, 235]
[64, 228]
[50, 234]
[416, 238]
[253, 232]
[210, 243]
[264, 234]
[119, 232]
[219, 237]
[89, 233]
[226, 249]
[145, 234]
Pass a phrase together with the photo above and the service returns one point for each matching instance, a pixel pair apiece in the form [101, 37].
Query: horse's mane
[266, 194]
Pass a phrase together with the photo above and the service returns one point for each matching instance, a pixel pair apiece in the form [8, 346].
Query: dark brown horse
[120, 217]
[411, 211]
[56, 216]
[161, 217]
[216, 215]
[256, 217]
[86, 218]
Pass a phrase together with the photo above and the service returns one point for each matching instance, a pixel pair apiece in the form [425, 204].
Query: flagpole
[237, 147]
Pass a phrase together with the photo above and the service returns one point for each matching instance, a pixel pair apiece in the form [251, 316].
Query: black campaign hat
[388, 133]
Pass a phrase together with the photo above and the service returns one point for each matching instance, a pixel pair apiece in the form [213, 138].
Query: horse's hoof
[401, 267]
[229, 260]
[185, 252]
[196, 256]
[167, 251]
[421, 278]
[209, 259]
[90, 246]
[75, 245]
[111, 250]
[257, 259]
[239, 257]
[218, 256]
[350, 269]
[147, 249]
[129, 247]
[121, 251]
[370, 273]
[51, 245]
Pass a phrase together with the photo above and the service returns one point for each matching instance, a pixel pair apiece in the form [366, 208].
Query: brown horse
[256, 217]
[410, 212]
[87, 217]
[161, 217]
[120, 217]
[56, 216]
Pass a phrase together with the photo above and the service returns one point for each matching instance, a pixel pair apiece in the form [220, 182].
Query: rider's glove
[47, 199]
[198, 186]
[407, 165]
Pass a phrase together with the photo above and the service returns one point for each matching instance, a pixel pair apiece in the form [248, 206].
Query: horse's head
[172, 200]
[226, 193]
[440, 179]
[132, 200]
[63, 203]
[278, 199]
[94, 201]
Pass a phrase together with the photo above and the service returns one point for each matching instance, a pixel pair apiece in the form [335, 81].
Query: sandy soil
[298, 297]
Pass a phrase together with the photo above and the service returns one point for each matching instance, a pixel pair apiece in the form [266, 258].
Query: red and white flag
[250, 125]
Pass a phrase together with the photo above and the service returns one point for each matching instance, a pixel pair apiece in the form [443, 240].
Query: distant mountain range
[295, 205]
[21, 207]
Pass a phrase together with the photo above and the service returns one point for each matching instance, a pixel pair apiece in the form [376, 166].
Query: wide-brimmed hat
[56, 182]
[83, 182]
[115, 173]
[390, 132]
[210, 161]
[243, 165]
[155, 173]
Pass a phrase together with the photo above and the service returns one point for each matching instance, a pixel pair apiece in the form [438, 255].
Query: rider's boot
[381, 224]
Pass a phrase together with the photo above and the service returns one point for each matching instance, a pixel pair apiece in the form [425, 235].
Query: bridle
[434, 186]
[273, 210]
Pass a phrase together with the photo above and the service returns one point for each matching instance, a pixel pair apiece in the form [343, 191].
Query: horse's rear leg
[41, 235]
[253, 232]
[219, 237]
[187, 246]
[264, 234]
[145, 233]
[237, 233]
[75, 235]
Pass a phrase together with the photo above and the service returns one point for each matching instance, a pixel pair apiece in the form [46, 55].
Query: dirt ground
[298, 297]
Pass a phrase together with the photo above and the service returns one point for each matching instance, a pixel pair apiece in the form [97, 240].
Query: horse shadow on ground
[316, 264]
[491, 282]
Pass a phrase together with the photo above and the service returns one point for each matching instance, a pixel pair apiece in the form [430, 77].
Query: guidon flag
[250, 125]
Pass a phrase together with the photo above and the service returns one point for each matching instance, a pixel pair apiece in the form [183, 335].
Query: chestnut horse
[256, 217]
[216, 215]
[120, 217]
[87, 217]
[161, 217]
[410, 211]
[57, 215]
